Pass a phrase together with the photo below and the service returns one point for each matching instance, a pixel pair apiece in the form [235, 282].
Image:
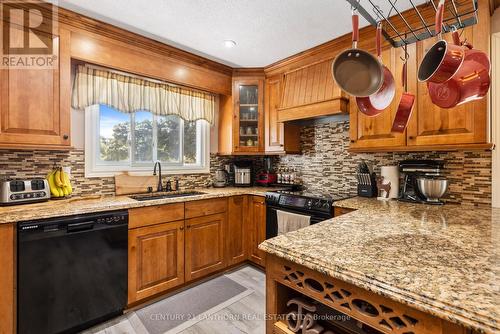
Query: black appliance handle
[77, 227]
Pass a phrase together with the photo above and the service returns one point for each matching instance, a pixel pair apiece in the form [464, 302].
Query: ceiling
[265, 30]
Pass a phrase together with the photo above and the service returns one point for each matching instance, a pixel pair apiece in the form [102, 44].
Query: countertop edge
[419, 302]
[108, 205]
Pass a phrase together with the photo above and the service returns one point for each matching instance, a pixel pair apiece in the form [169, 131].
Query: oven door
[272, 219]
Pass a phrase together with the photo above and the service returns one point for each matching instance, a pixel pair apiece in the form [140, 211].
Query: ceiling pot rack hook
[393, 5]
[386, 19]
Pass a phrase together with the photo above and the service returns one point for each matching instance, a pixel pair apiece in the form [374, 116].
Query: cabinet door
[7, 286]
[257, 227]
[34, 112]
[248, 125]
[279, 137]
[236, 230]
[372, 132]
[156, 259]
[465, 124]
[205, 245]
[274, 130]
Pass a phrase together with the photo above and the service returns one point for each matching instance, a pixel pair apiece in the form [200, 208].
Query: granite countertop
[443, 260]
[82, 205]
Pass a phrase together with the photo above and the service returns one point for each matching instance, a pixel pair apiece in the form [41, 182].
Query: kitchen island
[397, 267]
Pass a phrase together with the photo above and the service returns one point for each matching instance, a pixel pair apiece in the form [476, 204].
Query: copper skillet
[356, 71]
[375, 104]
[443, 59]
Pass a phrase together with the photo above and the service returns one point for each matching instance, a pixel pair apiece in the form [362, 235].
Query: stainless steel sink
[161, 195]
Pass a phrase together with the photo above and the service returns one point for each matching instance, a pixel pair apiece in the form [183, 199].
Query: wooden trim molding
[83, 22]
[495, 117]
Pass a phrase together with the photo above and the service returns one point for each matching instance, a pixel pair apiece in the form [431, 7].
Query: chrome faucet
[160, 185]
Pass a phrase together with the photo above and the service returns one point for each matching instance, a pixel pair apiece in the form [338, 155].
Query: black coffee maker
[411, 171]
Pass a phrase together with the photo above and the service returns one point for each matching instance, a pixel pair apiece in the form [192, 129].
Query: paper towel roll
[391, 174]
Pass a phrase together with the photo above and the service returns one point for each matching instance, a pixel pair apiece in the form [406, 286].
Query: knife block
[367, 185]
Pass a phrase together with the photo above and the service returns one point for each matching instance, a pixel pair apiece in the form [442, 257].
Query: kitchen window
[118, 142]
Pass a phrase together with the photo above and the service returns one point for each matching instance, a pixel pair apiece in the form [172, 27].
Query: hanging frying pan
[405, 106]
[443, 59]
[471, 82]
[376, 103]
[356, 71]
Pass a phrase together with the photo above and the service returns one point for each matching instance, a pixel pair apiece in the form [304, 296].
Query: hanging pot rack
[399, 29]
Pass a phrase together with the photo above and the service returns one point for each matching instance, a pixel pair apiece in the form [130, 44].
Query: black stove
[306, 201]
[318, 206]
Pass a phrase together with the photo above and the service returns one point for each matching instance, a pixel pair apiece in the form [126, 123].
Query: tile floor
[244, 316]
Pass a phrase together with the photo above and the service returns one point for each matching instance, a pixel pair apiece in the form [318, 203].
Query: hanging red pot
[376, 103]
[471, 82]
[443, 59]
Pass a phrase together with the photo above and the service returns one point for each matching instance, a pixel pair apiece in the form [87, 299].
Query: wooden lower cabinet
[156, 259]
[236, 230]
[204, 245]
[337, 211]
[257, 229]
[7, 286]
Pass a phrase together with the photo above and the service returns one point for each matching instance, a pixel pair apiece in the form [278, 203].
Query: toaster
[24, 191]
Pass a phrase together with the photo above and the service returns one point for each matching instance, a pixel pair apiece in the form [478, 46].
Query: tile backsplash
[325, 165]
[32, 164]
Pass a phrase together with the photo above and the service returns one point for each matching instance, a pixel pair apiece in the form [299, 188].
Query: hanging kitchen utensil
[443, 59]
[356, 71]
[376, 103]
[471, 82]
[405, 106]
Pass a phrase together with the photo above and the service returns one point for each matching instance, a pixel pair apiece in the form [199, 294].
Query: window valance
[129, 94]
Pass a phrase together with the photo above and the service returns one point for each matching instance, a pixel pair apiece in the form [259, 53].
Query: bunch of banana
[59, 183]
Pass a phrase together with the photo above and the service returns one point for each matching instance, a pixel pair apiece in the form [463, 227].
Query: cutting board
[133, 184]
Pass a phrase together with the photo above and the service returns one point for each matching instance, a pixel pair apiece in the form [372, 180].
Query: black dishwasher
[72, 272]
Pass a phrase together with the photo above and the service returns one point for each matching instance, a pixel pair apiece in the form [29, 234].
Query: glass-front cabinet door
[249, 125]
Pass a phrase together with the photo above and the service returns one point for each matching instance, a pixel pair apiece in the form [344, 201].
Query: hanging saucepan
[443, 59]
[406, 103]
[376, 103]
[471, 82]
[356, 71]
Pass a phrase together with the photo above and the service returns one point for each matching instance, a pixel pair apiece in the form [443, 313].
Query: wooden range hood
[311, 92]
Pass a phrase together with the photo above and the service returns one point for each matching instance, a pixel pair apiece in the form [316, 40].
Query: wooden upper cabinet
[204, 245]
[155, 259]
[236, 230]
[371, 132]
[279, 136]
[248, 118]
[310, 91]
[35, 103]
[257, 229]
[464, 124]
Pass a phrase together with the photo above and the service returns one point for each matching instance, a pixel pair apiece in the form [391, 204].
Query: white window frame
[96, 168]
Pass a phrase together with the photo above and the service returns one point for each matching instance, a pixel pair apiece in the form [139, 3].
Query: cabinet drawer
[157, 214]
[206, 207]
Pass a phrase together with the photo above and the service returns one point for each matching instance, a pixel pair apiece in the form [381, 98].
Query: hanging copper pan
[443, 59]
[471, 82]
[376, 103]
[405, 106]
[356, 71]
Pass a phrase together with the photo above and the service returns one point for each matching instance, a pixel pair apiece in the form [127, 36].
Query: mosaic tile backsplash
[325, 165]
